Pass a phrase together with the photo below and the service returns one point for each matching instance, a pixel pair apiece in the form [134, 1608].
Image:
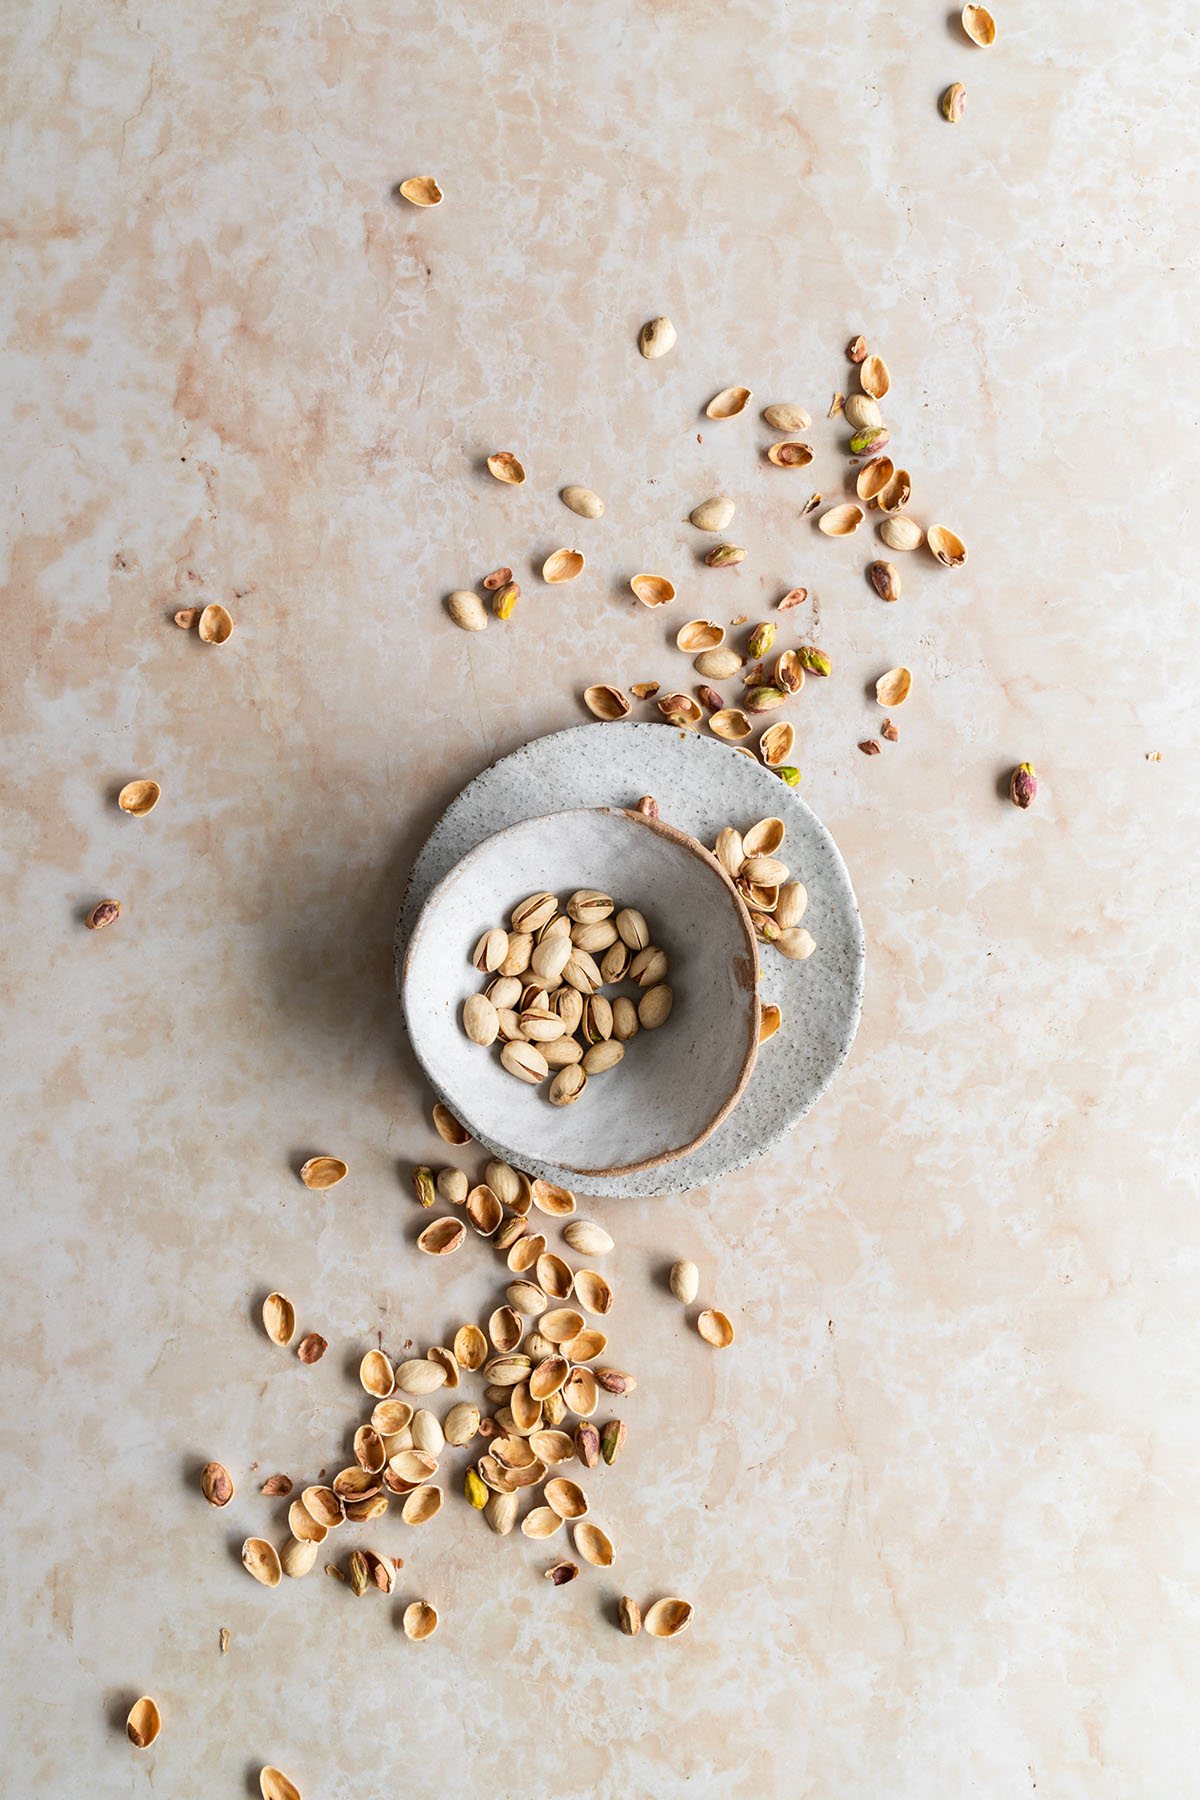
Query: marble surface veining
[936, 1509]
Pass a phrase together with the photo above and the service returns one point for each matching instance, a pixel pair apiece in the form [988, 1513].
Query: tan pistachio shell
[541, 1522]
[769, 1019]
[506, 467]
[584, 1235]
[785, 417]
[896, 493]
[582, 501]
[594, 1545]
[557, 1202]
[483, 1210]
[548, 1378]
[764, 838]
[137, 798]
[529, 1246]
[461, 1423]
[699, 634]
[356, 1484]
[729, 403]
[718, 665]
[840, 521]
[409, 1469]
[279, 1319]
[562, 565]
[894, 688]
[862, 413]
[321, 1172]
[376, 1374]
[947, 547]
[715, 514]
[593, 1291]
[680, 709]
[566, 1498]
[470, 1347]
[501, 1512]
[776, 744]
[369, 1451]
[420, 1376]
[261, 1559]
[552, 1447]
[361, 1512]
[581, 1393]
[979, 25]
[901, 533]
[216, 625]
[715, 1328]
[730, 723]
[297, 1557]
[790, 455]
[448, 1127]
[427, 1433]
[302, 1525]
[554, 1276]
[144, 1723]
[391, 1416]
[668, 1618]
[525, 1409]
[323, 1505]
[423, 1504]
[585, 1345]
[874, 378]
[467, 610]
[653, 590]
[506, 1329]
[443, 1237]
[422, 190]
[216, 1484]
[656, 337]
[420, 1621]
[606, 702]
[874, 477]
[273, 1784]
[561, 1324]
[446, 1361]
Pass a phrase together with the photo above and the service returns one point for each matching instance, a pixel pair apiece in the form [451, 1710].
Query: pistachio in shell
[715, 514]
[776, 744]
[297, 1557]
[668, 1618]
[216, 625]
[840, 521]
[595, 1546]
[790, 455]
[261, 1559]
[894, 688]
[279, 1319]
[791, 905]
[461, 1423]
[715, 1328]
[717, 665]
[137, 798]
[979, 25]
[873, 377]
[656, 337]
[421, 1375]
[797, 945]
[144, 1723]
[785, 417]
[562, 565]
[901, 533]
[730, 723]
[699, 634]
[443, 1237]
[653, 590]
[606, 702]
[861, 412]
[216, 1484]
[947, 547]
[501, 1512]
[506, 467]
[582, 501]
[422, 190]
[321, 1172]
[467, 610]
[420, 1621]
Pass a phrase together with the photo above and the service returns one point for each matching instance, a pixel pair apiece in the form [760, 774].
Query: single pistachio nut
[947, 547]
[713, 515]
[615, 1381]
[885, 579]
[901, 533]
[602, 1056]
[653, 590]
[606, 702]
[589, 906]
[785, 417]
[862, 412]
[588, 1238]
[796, 944]
[873, 377]
[568, 1084]
[452, 1185]
[612, 1440]
[583, 501]
[790, 455]
[954, 102]
[420, 1375]
[506, 467]
[562, 565]
[105, 912]
[717, 665]
[761, 639]
[500, 1511]
[979, 25]
[871, 441]
[649, 966]
[516, 962]
[893, 688]
[668, 1618]
[656, 337]
[534, 912]
[728, 403]
[143, 1723]
[840, 521]
[856, 349]
[723, 556]
[789, 774]
[685, 1281]
[216, 1484]
[654, 1007]
[629, 1616]
[815, 661]
[764, 698]
[1022, 786]
[467, 610]
[297, 1557]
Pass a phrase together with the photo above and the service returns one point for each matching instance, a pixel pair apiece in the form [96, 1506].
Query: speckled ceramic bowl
[675, 1084]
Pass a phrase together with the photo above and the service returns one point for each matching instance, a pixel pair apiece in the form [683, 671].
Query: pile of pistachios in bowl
[544, 1002]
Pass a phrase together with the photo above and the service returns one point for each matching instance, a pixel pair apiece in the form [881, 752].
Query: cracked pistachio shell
[873, 377]
[279, 1319]
[668, 1618]
[606, 702]
[528, 1247]
[302, 1525]
[769, 1020]
[541, 1522]
[763, 839]
[685, 1281]
[594, 1545]
[555, 1277]
[874, 477]
[391, 1416]
[566, 1498]
[728, 403]
[216, 1484]
[321, 1172]
[896, 493]
[422, 190]
[558, 1202]
[582, 501]
[562, 565]
[656, 337]
[273, 1784]
[785, 417]
[588, 1238]
[481, 1021]
[470, 1347]
[947, 547]
[700, 634]
[585, 1345]
[355, 1484]
[216, 625]
[796, 944]
[369, 1452]
[715, 1329]
[525, 1061]
[561, 1324]
[506, 1329]
[901, 533]
[885, 579]
[137, 798]
[548, 1378]
[893, 688]
[420, 1376]
[629, 1616]
[730, 723]
[979, 25]
[467, 610]
[420, 1621]
[411, 1468]
[261, 1559]
[862, 413]
[653, 590]
[717, 665]
[680, 709]
[526, 1412]
[715, 514]
[423, 1504]
[790, 456]
[483, 1210]
[840, 521]
[443, 1237]
[730, 852]
[144, 1723]
[297, 1557]
[506, 467]
[376, 1374]
[776, 745]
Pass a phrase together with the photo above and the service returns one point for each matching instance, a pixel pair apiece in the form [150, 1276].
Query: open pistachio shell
[273, 1784]
[728, 403]
[653, 590]
[423, 1504]
[529, 1246]
[420, 1621]
[840, 521]
[409, 1469]
[144, 1723]
[715, 514]
[566, 1498]
[768, 1022]
[896, 493]
[730, 723]
[360, 1512]
[561, 1324]
[776, 744]
[446, 1361]
[582, 501]
[790, 455]
[391, 1416]
[680, 709]
[470, 1347]
[592, 1291]
[356, 1484]
[323, 1172]
[506, 1329]
[979, 25]
[506, 467]
[947, 546]
[715, 1329]
[139, 797]
[580, 1392]
[874, 378]
[556, 1201]
[785, 417]
[541, 1522]
[369, 1452]
[376, 1374]
[699, 634]
[448, 1127]
[562, 565]
[656, 337]
[893, 688]
[261, 1560]
[668, 1618]
[421, 190]
[873, 477]
[323, 1505]
[297, 1557]
[552, 1446]
[483, 1210]
[216, 1484]
[763, 839]
[302, 1525]
[548, 1377]
[216, 625]
[554, 1276]
[501, 1512]
[585, 1345]
[526, 1411]
[279, 1319]
[525, 1296]
[594, 1545]
[443, 1237]
[606, 702]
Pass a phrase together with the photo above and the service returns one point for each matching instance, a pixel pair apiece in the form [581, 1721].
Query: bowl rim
[695, 848]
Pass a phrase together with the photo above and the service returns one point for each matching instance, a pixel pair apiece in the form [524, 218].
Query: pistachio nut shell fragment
[629, 1615]
[501, 1512]
[954, 102]
[144, 1723]
[653, 590]
[582, 501]
[261, 1559]
[901, 533]
[896, 492]
[483, 1210]
[668, 1618]
[873, 377]
[448, 1127]
[506, 467]
[443, 1237]
[606, 702]
[594, 1545]
[137, 798]
[420, 1621]
[840, 521]
[769, 1020]
[562, 565]
[713, 515]
[279, 1318]
[979, 25]
[302, 1525]
[216, 1484]
[421, 190]
[715, 1328]
[791, 904]
[467, 610]
[216, 625]
[470, 1347]
[790, 455]
[273, 1784]
[785, 417]
[947, 546]
[561, 1324]
[566, 1498]
[656, 337]
[893, 688]
[322, 1505]
[731, 724]
[557, 1202]
[776, 744]
[728, 403]
[321, 1172]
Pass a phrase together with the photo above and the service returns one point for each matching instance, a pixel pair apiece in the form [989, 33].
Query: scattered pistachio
[869, 747]
[103, 913]
[871, 441]
[873, 377]
[717, 665]
[216, 1484]
[713, 515]
[506, 467]
[668, 1618]
[144, 1723]
[769, 1019]
[629, 1616]
[644, 690]
[504, 600]
[761, 639]
[562, 565]
[728, 722]
[954, 102]
[947, 547]
[901, 533]
[715, 1328]
[421, 1618]
[862, 412]
[186, 617]
[789, 773]
[979, 25]
[422, 1177]
[223, 1640]
[311, 1348]
[653, 590]
[276, 1485]
[776, 743]
[685, 1281]
[885, 579]
[890, 732]
[656, 337]
[321, 1172]
[261, 1559]
[789, 673]
[279, 1319]
[562, 1572]
[612, 1440]
[873, 479]
[856, 349]
[1023, 786]
[723, 556]
[215, 625]
[764, 698]
[728, 403]
[710, 698]
[893, 688]
[896, 491]
[840, 521]
[583, 501]
[790, 455]
[594, 1545]
[467, 610]
[137, 798]
[448, 1127]
[835, 406]
[793, 597]
[786, 417]
[680, 709]
[421, 190]
[815, 661]
[497, 579]
[796, 944]
[810, 505]
[606, 702]
[443, 1237]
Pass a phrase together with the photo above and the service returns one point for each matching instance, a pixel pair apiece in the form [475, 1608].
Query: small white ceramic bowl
[676, 1084]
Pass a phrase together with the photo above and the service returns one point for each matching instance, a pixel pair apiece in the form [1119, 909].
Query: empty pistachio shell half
[763, 839]
[668, 1618]
[585, 1345]
[561, 1324]
[728, 403]
[279, 1318]
[555, 1277]
[776, 744]
[261, 1560]
[594, 1545]
[423, 1504]
[653, 590]
[593, 1291]
[470, 1347]
[420, 1620]
[566, 1498]
[840, 521]
[506, 467]
[137, 798]
[979, 25]
[548, 1378]
[216, 625]
[874, 477]
[323, 1172]
[541, 1522]
[583, 501]
[901, 533]
[680, 709]
[790, 456]
[421, 190]
[421, 1376]
[557, 1202]
[699, 634]
[448, 1127]
[713, 515]
[787, 418]
[376, 1374]
[461, 1423]
[467, 610]
[894, 688]
[443, 1237]
[390, 1417]
[715, 1329]
[273, 1784]
[874, 378]
[186, 617]
[483, 1209]
[144, 1723]
[730, 723]
[769, 1018]
[862, 413]
[896, 492]
[606, 702]
[656, 337]
[302, 1525]
[552, 1446]
[947, 546]
[506, 1329]
[562, 565]
[323, 1505]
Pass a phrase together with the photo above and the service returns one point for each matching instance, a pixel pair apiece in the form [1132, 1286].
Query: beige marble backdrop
[937, 1509]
